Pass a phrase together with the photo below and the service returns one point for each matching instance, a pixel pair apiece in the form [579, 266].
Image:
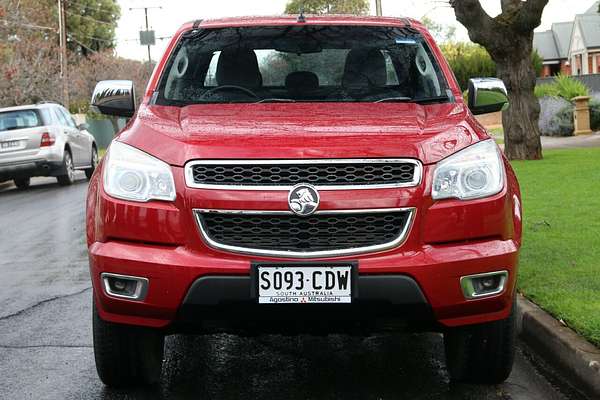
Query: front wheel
[126, 355]
[69, 170]
[94, 163]
[22, 183]
[481, 353]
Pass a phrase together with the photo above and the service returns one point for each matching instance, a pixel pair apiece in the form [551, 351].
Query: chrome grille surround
[385, 167]
[396, 242]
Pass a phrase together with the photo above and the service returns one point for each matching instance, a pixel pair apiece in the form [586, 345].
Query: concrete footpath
[560, 346]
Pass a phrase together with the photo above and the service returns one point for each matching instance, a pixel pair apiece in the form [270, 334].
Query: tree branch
[478, 23]
[530, 15]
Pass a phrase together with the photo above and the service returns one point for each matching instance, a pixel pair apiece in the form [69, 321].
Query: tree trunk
[520, 120]
[509, 40]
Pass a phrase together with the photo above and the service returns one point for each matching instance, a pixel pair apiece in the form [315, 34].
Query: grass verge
[560, 258]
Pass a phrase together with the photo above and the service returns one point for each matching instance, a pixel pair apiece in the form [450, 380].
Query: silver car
[44, 140]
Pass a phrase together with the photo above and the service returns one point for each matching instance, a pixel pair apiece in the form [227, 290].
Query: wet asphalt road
[46, 346]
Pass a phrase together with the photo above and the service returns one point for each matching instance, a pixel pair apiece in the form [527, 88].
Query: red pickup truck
[308, 174]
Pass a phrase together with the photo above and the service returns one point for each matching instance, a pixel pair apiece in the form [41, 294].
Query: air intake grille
[320, 232]
[351, 173]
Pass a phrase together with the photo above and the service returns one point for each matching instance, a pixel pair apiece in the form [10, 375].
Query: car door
[83, 140]
[78, 149]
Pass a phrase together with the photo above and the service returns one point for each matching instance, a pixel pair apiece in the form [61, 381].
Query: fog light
[119, 284]
[125, 287]
[483, 285]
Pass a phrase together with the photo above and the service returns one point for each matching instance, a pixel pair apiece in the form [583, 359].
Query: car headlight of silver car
[472, 173]
[131, 174]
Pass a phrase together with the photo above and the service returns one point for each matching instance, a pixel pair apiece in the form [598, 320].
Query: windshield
[302, 63]
[21, 119]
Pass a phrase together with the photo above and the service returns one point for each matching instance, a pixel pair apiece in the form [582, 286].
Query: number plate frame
[10, 144]
[254, 290]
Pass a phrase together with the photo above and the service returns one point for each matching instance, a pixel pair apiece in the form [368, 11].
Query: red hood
[302, 130]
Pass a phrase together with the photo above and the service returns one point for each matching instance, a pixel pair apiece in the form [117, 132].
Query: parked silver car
[44, 140]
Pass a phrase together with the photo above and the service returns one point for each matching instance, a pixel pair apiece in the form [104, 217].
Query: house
[571, 48]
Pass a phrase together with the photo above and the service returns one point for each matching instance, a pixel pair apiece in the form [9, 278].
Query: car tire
[94, 163]
[126, 355]
[481, 353]
[69, 168]
[22, 183]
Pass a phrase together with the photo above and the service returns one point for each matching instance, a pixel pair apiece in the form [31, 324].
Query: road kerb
[571, 354]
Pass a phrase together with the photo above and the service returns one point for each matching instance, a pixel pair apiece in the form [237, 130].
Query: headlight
[472, 173]
[131, 174]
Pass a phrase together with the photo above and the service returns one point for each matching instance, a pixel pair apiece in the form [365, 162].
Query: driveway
[571, 141]
[46, 345]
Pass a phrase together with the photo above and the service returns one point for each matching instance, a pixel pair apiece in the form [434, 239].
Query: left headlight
[131, 174]
[472, 173]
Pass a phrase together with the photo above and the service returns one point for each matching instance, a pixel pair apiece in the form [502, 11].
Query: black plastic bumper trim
[394, 290]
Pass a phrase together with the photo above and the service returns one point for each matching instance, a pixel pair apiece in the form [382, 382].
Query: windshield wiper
[434, 99]
[275, 100]
[395, 100]
[423, 100]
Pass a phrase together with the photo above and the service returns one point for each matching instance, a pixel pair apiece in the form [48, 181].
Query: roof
[310, 20]
[555, 44]
[562, 36]
[545, 45]
[594, 8]
[590, 29]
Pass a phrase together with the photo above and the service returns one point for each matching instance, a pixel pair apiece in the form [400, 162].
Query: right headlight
[472, 173]
[131, 174]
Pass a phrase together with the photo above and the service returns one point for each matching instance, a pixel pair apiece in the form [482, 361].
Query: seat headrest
[238, 66]
[365, 68]
[302, 81]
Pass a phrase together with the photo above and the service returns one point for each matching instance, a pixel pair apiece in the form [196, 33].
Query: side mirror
[114, 98]
[487, 95]
[83, 127]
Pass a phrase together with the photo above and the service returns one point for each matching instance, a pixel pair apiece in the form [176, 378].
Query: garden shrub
[562, 123]
[595, 115]
[469, 60]
[549, 108]
[563, 86]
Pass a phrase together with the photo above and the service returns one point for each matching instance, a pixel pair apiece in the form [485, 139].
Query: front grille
[336, 173]
[287, 233]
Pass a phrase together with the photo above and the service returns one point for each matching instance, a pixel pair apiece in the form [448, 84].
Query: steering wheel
[248, 92]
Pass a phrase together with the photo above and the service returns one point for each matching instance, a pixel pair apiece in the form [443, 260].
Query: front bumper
[178, 289]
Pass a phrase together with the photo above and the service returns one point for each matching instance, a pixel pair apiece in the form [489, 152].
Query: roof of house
[554, 44]
[590, 29]
[562, 36]
[594, 8]
[545, 45]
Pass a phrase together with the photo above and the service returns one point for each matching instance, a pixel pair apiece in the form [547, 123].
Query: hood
[301, 131]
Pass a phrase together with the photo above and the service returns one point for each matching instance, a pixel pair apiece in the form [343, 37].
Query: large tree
[357, 7]
[508, 38]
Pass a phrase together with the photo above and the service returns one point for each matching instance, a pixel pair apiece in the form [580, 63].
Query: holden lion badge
[303, 199]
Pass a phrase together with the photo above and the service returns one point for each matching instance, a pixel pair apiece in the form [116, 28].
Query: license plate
[10, 144]
[303, 285]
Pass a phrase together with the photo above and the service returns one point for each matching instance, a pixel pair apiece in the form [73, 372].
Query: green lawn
[560, 258]
[101, 153]
[497, 134]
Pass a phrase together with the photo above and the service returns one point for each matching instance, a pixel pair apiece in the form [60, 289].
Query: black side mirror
[487, 95]
[114, 98]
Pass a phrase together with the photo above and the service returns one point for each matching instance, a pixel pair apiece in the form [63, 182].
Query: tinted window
[21, 119]
[68, 118]
[60, 117]
[307, 63]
